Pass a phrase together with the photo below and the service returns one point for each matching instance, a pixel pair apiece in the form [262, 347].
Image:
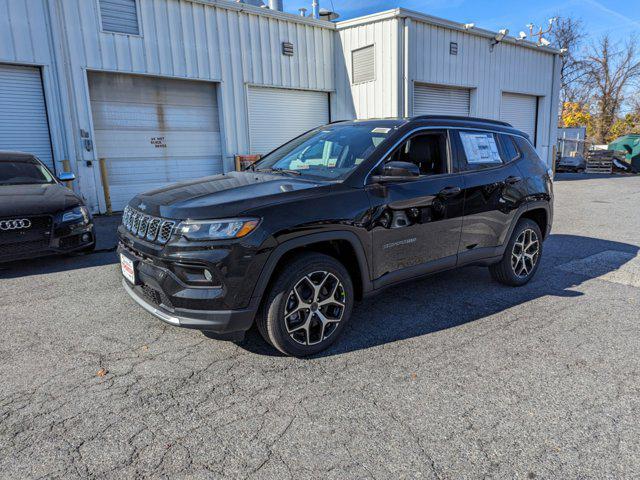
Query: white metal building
[404, 63]
[167, 90]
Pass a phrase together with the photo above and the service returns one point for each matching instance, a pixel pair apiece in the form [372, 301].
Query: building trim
[245, 8]
[438, 22]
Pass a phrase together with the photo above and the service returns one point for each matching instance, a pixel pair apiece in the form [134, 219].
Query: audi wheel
[521, 258]
[308, 305]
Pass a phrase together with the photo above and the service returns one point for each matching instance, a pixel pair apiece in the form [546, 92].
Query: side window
[526, 148]
[427, 151]
[509, 150]
[480, 150]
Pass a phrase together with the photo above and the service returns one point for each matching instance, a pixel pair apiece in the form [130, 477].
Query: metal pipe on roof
[276, 5]
[315, 9]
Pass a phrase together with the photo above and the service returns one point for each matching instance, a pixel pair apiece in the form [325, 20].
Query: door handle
[512, 179]
[449, 191]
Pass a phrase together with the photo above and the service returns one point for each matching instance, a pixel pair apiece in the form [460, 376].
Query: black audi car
[39, 215]
[335, 215]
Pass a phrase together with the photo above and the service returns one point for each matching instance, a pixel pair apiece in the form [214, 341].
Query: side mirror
[397, 172]
[66, 176]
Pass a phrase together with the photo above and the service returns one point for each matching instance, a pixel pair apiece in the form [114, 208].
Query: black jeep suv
[331, 217]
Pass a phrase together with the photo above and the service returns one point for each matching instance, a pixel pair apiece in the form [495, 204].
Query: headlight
[217, 229]
[75, 214]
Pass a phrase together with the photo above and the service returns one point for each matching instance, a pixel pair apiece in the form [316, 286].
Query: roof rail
[457, 117]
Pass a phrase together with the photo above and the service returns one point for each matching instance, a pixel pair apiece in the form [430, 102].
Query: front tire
[521, 257]
[307, 306]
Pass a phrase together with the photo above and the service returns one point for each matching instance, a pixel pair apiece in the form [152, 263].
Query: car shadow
[450, 299]
[57, 263]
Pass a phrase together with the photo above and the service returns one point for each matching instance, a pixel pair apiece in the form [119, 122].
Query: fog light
[86, 237]
[207, 275]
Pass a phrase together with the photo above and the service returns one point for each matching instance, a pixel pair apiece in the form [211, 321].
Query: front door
[416, 224]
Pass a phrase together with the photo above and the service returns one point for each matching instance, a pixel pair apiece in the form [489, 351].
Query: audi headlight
[217, 229]
[75, 214]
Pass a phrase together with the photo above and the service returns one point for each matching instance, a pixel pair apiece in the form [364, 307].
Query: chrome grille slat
[135, 225]
[144, 224]
[165, 231]
[153, 229]
[126, 215]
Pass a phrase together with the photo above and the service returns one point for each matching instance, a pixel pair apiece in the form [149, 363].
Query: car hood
[225, 195]
[35, 199]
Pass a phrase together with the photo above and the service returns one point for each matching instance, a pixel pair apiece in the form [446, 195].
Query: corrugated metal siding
[24, 32]
[194, 40]
[437, 100]
[508, 67]
[378, 98]
[119, 16]
[23, 115]
[486, 74]
[521, 112]
[363, 64]
[277, 115]
[153, 131]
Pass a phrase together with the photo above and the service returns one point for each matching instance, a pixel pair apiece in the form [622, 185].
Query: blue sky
[620, 18]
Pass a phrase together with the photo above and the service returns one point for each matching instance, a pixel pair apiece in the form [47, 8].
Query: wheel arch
[536, 211]
[539, 215]
[345, 246]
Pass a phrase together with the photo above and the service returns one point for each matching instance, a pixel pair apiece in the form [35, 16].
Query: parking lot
[454, 376]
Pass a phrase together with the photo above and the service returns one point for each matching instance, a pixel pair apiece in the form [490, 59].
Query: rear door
[416, 224]
[493, 190]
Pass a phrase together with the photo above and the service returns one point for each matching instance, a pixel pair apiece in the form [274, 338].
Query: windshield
[21, 172]
[330, 152]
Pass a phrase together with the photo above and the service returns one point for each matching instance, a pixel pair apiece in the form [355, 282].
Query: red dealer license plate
[128, 270]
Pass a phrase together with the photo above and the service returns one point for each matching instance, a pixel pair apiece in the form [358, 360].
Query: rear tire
[522, 255]
[307, 306]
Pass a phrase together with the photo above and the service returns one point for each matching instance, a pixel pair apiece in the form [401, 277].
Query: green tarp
[631, 145]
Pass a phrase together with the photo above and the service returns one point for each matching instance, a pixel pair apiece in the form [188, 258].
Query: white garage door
[520, 111]
[153, 131]
[438, 100]
[23, 115]
[276, 115]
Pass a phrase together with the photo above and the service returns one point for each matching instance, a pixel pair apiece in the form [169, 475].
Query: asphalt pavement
[450, 377]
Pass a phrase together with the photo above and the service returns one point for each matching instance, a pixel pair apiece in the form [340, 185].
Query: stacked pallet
[600, 161]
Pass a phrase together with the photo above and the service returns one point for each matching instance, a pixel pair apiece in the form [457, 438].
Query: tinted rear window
[526, 148]
[509, 150]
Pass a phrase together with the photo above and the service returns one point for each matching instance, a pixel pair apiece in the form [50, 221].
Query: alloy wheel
[525, 253]
[314, 308]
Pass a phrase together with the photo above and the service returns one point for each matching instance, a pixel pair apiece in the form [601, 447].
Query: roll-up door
[439, 100]
[23, 115]
[154, 131]
[521, 112]
[276, 115]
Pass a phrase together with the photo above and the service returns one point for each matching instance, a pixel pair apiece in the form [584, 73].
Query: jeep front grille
[153, 229]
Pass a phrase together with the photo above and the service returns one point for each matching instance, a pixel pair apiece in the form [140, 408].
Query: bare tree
[568, 35]
[610, 69]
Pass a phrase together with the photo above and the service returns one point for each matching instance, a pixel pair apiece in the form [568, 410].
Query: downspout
[406, 25]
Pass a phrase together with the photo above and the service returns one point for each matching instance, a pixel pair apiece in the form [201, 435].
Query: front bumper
[59, 240]
[169, 282]
[220, 321]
